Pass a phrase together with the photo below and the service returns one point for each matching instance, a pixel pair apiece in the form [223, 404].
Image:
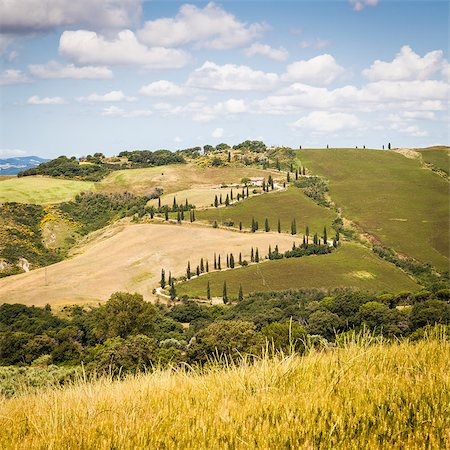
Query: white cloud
[26, 16]
[277, 54]
[217, 133]
[211, 27]
[162, 88]
[314, 43]
[412, 130]
[54, 69]
[13, 76]
[231, 77]
[326, 122]
[113, 96]
[320, 70]
[359, 5]
[88, 47]
[36, 100]
[232, 106]
[11, 152]
[114, 111]
[407, 65]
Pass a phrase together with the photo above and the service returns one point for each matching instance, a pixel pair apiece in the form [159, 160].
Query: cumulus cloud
[54, 69]
[88, 47]
[13, 76]
[320, 70]
[113, 96]
[27, 16]
[359, 5]
[217, 133]
[115, 111]
[211, 27]
[231, 77]
[232, 106]
[327, 122]
[277, 54]
[11, 152]
[36, 100]
[407, 65]
[162, 88]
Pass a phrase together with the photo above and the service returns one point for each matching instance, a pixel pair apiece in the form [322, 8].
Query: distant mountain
[12, 166]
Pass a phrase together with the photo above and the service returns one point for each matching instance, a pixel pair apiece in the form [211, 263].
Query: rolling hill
[12, 166]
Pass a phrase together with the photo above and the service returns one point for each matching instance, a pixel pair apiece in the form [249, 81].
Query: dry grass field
[130, 257]
[363, 395]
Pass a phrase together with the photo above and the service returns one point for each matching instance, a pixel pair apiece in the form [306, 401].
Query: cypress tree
[288, 177]
[247, 191]
[215, 262]
[208, 291]
[227, 201]
[159, 202]
[166, 214]
[207, 266]
[252, 257]
[253, 225]
[188, 270]
[186, 205]
[279, 226]
[228, 261]
[240, 258]
[174, 207]
[243, 193]
[291, 168]
[182, 214]
[215, 224]
[389, 146]
[270, 252]
[307, 234]
[304, 240]
[216, 201]
[264, 184]
[220, 199]
[178, 217]
[173, 292]
[315, 238]
[256, 225]
[293, 227]
[231, 194]
[266, 226]
[240, 226]
[257, 255]
[219, 267]
[224, 293]
[296, 174]
[197, 270]
[334, 243]
[170, 278]
[229, 156]
[241, 294]
[231, 261]
[152, 212]
[190, 216]
[284, 184]
[202, 265]
[163, 278]
[325, 237]
[304, 170]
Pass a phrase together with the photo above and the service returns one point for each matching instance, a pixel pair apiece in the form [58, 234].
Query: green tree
[224, 293]
[231, 261]
[293, 227]
[208, 291]
[216, 201]
[173, 292]
[227, 201]
[215, 261]
[266, 226]
[188, 270]
[218, 264]
[163, 279]
[325, 237]
[279, 226]
[202, 266]
[240, 294]
[257, 255]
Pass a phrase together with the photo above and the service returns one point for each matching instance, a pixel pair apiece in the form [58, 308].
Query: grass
[285, 206]
[401, 204]
[41, 190]
[437, 156]
[351, 265]
[176, 177]
[365, 394]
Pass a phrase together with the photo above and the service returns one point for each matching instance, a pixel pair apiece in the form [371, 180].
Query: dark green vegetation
[437, 157]
[350, 265]
[21, 237]
[394, 199]
[284, 206]
[128, 334]
[94, 168]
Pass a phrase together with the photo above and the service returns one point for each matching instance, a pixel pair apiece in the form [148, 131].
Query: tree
[279, 226]
[227, 201]
[197, 270]
[246, 193]
[170, 278]
[159, 202]
[240, 226]
[293, 227]
[202, 266]
[220, 199]
[166, 214]
[224, 293]
[188, 270]
[245, 181]
[389, 146]
[288, 177]
[218, 264]
[208, 291]
[179, 217]
[207, 266]
[228, 261]
[174, 206]
[264, 184]
[216, 201]
[173, 292]
[307, 234]
[257, 255]
[296, 174]
[285, 336]
[215, 261]
[240, 294]
[252, 256]
[229, 156]
[266, 226]
[231, 194]
[163, 279]
[325, 237]
[231, 261]
[240, 258]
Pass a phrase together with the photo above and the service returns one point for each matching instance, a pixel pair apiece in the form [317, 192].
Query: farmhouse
[256, 181]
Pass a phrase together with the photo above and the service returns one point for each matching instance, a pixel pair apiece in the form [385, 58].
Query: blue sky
[113, 75]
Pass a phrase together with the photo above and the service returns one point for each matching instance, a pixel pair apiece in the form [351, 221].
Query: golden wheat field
[363, 395]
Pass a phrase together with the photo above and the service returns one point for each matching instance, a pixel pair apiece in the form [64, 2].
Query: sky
[111, 75]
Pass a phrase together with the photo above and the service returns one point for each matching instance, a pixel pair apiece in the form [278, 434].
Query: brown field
[130, 258]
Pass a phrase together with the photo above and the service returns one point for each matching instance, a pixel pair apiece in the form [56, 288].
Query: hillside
[391, 197]
[12, 166]
[364, 395]
[437, 157]
[129, 258]
[351, 265]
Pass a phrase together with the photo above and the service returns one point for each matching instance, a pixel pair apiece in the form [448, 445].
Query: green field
[286, 205]
[401, 204]
[437, 156]
[351, 265]
[41, 190]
